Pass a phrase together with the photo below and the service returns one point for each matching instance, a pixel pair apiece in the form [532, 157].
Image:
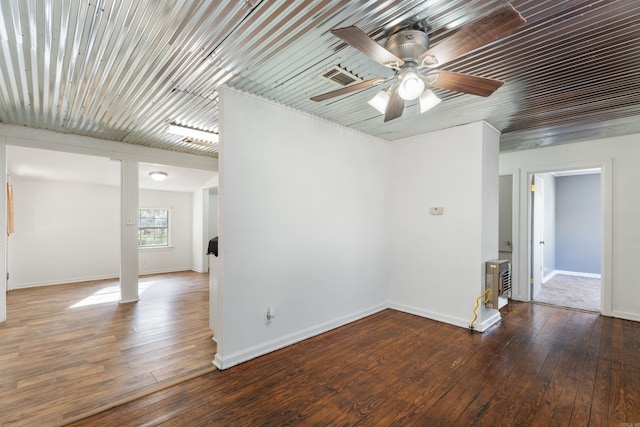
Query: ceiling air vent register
[339, 76]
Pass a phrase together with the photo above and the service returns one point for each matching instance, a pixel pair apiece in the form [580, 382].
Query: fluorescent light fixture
[411, 85]
[455, 23]
[193, 133]
[158, 175]
[428, 100]
[380, 101]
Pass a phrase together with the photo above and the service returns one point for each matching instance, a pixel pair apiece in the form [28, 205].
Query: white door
[537, 233]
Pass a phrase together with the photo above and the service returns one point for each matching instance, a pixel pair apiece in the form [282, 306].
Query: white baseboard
[626, 316]
[571, 273]
[166, 270]
[439, 317]
[62, 281]
[225, 362]
[92, 278]
[549, 276]
[456, 321]
[489, 322]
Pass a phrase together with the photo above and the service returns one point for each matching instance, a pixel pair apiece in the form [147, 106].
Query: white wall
[437, 262]
[579, 221]
[505, 203]
[200, 224]
[213, 212]
[69, 232]
[63, 233]
[303, 226]
[619, 157]
[5, 238]
[505, 217]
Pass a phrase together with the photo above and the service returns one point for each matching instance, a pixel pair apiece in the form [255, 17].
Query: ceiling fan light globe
[411, 86]
[380, 101]
[428, 100]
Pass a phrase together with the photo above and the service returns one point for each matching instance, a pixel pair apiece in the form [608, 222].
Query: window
[153, 227]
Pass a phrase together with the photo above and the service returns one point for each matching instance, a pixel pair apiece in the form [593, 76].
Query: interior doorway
[565, 238]
[56, 199]
[505, 218]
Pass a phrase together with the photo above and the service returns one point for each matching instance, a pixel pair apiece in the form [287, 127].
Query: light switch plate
[436, 211]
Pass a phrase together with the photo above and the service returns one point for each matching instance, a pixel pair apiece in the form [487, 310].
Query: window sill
[155, 248]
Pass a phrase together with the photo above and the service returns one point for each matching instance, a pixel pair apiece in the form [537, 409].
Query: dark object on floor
[213, 246]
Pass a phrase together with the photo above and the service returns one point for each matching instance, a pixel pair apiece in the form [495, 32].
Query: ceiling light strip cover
[193, 133]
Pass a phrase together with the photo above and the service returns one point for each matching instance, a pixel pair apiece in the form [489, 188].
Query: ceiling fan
[407, 52]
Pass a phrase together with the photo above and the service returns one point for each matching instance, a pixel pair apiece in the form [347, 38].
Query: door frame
[537, 232]
[521, 269]
[515, 231]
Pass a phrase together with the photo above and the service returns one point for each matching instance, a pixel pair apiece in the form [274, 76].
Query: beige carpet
[571, 291]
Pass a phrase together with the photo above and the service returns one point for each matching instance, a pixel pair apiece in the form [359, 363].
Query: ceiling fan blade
[497, 24]
[395, 107]
[365, 44]
[465, 83]
[348, 89]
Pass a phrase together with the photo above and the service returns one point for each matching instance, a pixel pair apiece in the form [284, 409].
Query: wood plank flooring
[71, 350]
[540, 366]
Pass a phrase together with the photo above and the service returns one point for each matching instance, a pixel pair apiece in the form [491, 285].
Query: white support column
[128, 231]
[4, 240]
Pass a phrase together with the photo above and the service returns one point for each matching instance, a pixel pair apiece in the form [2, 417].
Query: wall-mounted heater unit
[499, 281]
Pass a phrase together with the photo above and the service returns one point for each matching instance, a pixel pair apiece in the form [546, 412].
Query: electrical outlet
[436, 211]
[270, 314]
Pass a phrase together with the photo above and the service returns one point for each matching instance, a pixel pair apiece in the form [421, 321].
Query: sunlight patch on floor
[108, 294]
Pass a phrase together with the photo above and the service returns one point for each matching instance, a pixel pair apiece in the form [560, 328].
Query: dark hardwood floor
[68, 351]
[540, 365]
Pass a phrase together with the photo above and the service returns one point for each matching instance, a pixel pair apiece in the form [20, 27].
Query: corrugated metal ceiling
[124, 70]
